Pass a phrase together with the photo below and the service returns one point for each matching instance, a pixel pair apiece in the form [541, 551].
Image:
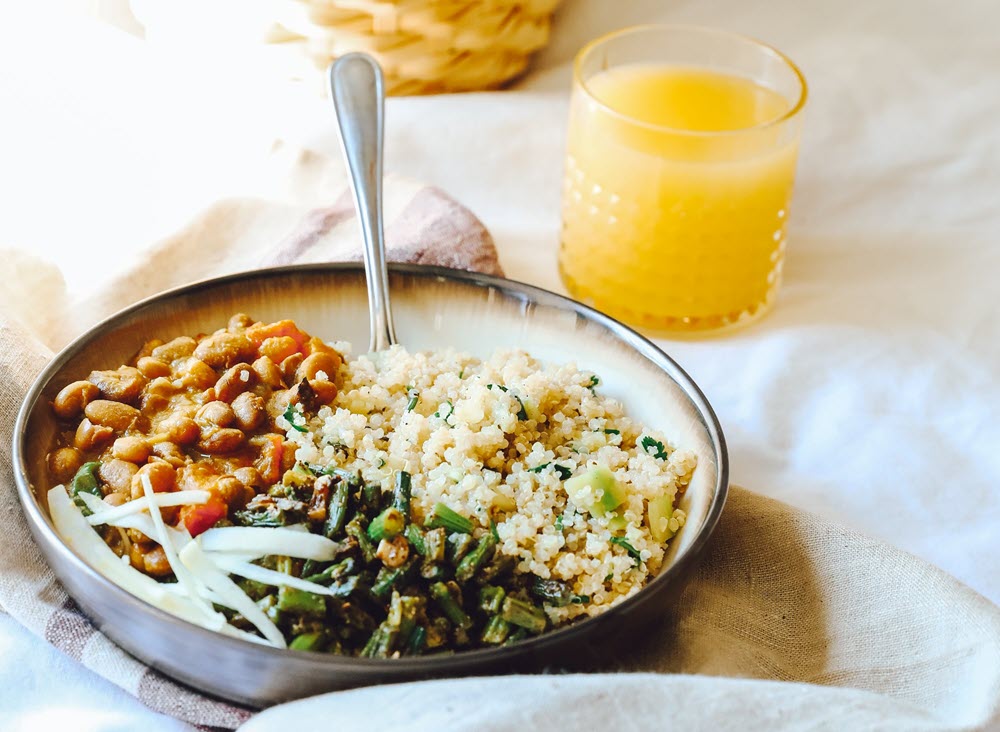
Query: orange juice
[676, 195]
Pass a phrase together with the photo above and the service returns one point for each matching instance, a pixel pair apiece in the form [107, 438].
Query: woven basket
[424, 46]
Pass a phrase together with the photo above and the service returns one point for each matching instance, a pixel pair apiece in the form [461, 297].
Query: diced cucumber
[658, 514]
[617, 524]
[603, 484]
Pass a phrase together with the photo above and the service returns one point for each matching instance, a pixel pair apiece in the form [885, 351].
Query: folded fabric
[790, 622]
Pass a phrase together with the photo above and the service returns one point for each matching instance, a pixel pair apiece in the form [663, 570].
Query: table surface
[869, 395]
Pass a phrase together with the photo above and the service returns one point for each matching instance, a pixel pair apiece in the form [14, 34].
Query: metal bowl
[434, 308]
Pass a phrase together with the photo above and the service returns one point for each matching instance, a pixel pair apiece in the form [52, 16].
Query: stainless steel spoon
[358, 91]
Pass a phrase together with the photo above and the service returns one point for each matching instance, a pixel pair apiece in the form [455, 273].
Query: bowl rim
[39, 522]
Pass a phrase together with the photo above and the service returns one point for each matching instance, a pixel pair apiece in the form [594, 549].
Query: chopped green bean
[386, 525]
[445, 600]
[458, 546]
[331, 573]
[445, 518]
[475, 558]
[491, 599]
[356, 530]
[307, 642]
[415, 536]
[524, 614]
[417, 641]
[293, 600]
[496, 631]
[336, 512]
[401, 495]
[435, 542]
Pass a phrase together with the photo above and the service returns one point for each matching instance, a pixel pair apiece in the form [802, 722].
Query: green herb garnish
[633, 552]
[289, 414]
[657, 450]
[414, 398]
[612, 432]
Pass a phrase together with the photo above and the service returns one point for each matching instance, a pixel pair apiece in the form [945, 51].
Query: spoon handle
[358, 92]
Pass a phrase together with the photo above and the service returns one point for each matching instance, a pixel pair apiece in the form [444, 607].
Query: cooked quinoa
[497, 441]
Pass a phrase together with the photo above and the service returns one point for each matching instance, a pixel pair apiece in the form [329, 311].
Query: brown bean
[89, 435]
[218, 441]
[180, 429]
[124, 384]
[224, 350]
[240, 321]
[235, 381]
[325, 391]
[155, 562]
[73, 398]
[249, 477]
[138, 549]
[196, 374]
[162, 477]
[315, 364]
[115, 415]
[132, 448]
[279, 401]
[64, 462]
[161, 386]
[175, 349]
[231, 490]
[278, 348]
[152, 368]
[117, 474]
[215, 413]
[316, 345]
[147, 348]
[289, 366]
[152, 403]
[169, 453]
[116, 499]
[249, 410]
[267, 371]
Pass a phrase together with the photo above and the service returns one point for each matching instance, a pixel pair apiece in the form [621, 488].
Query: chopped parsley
[612, 432]
[657, 450]
[632, 551]
[414, 398]
[559, 522]
[594, 382]
[522, 413]
[461, 373]
[580, 599]
[564, 472]
[290, 414]
[447, 415]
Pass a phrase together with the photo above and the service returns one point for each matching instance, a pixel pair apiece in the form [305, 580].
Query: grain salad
[261, 482]
[499, 441]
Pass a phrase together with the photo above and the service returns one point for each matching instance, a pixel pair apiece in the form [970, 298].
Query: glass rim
[635, 29]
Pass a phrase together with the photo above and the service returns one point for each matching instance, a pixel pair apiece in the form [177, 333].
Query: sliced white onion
[229, 592]
[184, 577]
[87, 543]
[266, 576]
[260, 541]
[110, 514]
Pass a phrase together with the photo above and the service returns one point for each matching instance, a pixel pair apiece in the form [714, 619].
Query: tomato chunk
[199, 518]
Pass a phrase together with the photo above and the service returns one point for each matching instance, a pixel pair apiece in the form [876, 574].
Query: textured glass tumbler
[680, 163]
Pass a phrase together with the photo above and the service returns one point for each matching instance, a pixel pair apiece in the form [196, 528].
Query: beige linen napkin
[817, 627]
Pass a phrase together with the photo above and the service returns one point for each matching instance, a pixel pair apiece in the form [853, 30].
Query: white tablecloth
[870, 395]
